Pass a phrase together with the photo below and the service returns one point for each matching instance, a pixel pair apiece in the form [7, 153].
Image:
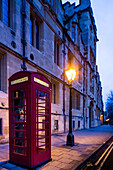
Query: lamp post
[70, 137]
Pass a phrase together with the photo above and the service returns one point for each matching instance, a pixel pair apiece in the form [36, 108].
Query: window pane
[6, 11]
[78, 101]
[31, 31]
[73, 33]
[57, 54]
[73, 124]
[56, 124]
[36, 35]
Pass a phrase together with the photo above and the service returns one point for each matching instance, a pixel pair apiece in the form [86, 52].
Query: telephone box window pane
[19, 115]
[41, 149]
[19, 126]
[19, 150]
[19, 93]
[18, 102]
[19, 142]
[19, 134]
[42, 95]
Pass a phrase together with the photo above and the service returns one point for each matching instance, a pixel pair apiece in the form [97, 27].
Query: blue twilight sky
[103, 14]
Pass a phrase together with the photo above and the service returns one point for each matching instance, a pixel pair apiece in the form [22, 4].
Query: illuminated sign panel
[21, 80]
[41, 82]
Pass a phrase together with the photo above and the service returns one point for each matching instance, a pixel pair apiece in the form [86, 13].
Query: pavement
[65, 157]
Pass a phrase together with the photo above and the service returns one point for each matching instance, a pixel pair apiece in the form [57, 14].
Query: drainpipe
[23, 66]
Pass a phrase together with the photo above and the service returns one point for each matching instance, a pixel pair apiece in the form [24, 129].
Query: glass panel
[19, 126]
[19, 150]
[36, 35]
[6, 11]
[19, 134]
[18, 102]
[31, 30]
[19, 142]
[42, 95]
[42, 149]
[42, 122]
[19, 93]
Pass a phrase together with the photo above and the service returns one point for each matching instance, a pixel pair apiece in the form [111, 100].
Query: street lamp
[71, 73]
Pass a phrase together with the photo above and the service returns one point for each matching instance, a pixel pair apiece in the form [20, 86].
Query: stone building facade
[50, 37]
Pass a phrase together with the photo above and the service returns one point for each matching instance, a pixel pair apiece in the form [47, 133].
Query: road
[102, 159]
[109, 162]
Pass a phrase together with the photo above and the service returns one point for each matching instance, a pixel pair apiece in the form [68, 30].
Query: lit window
[55, 124]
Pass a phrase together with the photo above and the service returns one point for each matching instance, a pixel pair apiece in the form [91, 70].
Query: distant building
[50, 37]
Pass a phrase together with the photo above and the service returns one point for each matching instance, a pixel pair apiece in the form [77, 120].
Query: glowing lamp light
[70, 74]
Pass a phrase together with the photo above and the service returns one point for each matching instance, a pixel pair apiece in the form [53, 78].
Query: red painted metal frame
[31, 158]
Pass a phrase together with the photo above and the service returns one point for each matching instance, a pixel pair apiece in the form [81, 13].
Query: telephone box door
[43, 121]
[18, 122]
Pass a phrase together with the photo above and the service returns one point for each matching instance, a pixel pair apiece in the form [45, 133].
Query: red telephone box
[29, 119]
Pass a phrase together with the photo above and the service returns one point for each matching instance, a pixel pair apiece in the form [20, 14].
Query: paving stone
[54, 163]
[50, 168]
[65, 160]
[61, 165]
